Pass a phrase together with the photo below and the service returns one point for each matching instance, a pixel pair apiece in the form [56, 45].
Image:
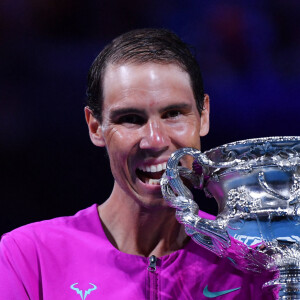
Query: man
[145, 100]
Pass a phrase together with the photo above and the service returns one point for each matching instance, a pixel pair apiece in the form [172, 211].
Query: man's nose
[154, 136]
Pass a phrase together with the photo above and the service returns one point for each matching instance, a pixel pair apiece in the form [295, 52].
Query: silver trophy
[256, 184]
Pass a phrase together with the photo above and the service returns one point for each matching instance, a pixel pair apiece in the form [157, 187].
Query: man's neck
[137, 230]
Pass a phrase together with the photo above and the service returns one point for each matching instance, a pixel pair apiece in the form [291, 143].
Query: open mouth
[151, 174]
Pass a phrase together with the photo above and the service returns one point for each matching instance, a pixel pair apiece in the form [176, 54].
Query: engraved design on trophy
[256, 184]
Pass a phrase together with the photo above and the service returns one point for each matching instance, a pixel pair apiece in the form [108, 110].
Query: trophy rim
[255, 141]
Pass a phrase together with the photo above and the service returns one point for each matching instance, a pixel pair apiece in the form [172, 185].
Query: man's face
[149, 111]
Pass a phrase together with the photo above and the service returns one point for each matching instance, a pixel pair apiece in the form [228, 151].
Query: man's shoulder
[205, 215]
[44, 231]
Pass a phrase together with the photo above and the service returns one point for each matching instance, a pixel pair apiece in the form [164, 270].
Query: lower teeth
[153, 181]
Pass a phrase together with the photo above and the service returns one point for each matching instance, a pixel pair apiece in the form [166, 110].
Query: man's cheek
[112, 134]
[189, 128]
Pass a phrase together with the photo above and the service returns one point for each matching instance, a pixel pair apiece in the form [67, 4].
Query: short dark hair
[142, 46]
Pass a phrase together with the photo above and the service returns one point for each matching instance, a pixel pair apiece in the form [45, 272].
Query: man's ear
[95, 129]
[204, 121]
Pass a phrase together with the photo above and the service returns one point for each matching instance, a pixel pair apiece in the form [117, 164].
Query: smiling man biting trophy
[145, 101]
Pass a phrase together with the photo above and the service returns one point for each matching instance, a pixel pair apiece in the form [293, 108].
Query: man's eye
[171, 114]
[131, 119]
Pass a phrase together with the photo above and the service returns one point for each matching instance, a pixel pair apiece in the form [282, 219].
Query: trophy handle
[209, 233]
[173, 170]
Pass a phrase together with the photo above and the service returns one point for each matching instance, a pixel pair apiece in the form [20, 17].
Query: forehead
[136, 82]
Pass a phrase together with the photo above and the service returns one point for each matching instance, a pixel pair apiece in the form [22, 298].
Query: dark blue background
[248, 52]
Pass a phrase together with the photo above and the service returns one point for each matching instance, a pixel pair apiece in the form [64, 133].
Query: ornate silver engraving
[256, 184]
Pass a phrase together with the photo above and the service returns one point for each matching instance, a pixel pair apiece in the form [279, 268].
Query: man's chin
[154, 205]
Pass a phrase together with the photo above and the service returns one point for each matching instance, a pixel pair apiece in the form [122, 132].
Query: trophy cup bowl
[256, 184]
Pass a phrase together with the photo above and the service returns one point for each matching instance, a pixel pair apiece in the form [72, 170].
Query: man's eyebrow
[125, 111]
[131, 110]
[176, 106]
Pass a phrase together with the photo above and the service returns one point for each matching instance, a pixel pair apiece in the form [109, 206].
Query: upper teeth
[153, 168]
